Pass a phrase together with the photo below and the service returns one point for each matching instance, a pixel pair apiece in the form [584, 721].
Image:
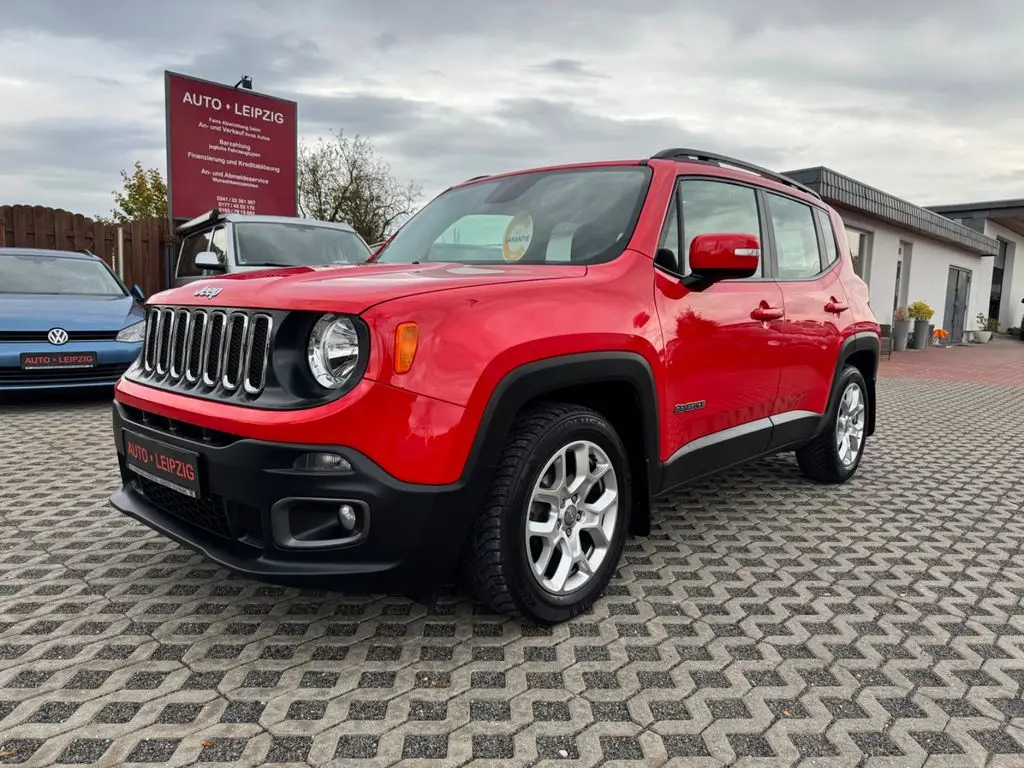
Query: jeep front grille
[207, 349]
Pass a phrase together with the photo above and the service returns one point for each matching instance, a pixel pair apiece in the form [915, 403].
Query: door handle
[766, 312]
[835, 307]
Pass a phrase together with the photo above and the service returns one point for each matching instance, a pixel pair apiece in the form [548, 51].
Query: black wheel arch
[578, 378]
[862, 351]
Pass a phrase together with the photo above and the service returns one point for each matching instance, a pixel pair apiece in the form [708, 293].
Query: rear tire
[542, 549]
[834, 455]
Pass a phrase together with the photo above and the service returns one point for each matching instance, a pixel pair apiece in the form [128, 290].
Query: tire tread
[817, 459]
[485, 568]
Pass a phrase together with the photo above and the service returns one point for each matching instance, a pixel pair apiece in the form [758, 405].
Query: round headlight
[333, 351]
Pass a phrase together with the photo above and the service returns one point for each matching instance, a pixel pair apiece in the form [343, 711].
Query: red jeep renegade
[504, 389]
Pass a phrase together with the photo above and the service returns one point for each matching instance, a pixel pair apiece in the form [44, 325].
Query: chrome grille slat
[223, 351]
[257, 354]
[163, 336]
[194, 344]
[213, 349]
[149, 356]
[237, 335]
[179, 339]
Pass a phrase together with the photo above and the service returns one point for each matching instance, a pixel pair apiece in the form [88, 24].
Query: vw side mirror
[138, 293]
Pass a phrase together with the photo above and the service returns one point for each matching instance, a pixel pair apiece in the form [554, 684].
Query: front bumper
[252, 503]
[113, 358]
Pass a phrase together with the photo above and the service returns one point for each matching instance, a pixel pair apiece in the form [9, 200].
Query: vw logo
[209, 291]
[57, 336]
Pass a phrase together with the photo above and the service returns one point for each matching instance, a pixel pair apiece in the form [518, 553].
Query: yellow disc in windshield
[518, 235]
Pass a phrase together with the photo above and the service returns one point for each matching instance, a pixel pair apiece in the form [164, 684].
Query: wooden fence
[144, 244]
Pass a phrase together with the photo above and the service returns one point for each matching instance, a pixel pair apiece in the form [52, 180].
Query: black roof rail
[199, 221]
[701, 156]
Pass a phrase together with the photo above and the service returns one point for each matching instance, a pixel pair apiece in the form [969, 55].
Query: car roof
[693, 160]
[49, 253]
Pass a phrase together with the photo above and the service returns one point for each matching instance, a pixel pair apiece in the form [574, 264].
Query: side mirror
[209, 260]
[722, 256]
[137, 293]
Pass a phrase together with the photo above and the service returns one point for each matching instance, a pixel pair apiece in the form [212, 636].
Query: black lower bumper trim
[254, 564]
[414, 533]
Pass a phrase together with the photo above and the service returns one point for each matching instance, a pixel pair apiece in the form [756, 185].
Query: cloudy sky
[917, 97]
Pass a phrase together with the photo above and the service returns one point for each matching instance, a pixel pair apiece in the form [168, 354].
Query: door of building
[958, 289]
[899, 274]
[902, 283]
[998, 270]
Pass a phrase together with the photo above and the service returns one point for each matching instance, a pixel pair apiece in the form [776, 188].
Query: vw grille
[207, 349]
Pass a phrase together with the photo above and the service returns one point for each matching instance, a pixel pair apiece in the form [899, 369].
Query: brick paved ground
[766, 621]
[997, 363]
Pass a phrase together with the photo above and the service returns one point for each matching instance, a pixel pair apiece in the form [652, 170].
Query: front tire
[555, 519]
[834, 455]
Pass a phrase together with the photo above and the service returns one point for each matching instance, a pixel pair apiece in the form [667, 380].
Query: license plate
[48, 361]
[164, 464]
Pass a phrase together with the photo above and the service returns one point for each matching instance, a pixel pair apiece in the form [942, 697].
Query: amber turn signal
[407, 336]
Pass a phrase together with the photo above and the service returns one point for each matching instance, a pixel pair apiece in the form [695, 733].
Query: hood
[21, 312]
[351, 288]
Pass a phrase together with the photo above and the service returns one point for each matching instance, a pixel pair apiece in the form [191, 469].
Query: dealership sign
[228, 148]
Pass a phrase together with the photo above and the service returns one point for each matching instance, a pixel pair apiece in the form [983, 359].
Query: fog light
[322, 462]
[347, 517]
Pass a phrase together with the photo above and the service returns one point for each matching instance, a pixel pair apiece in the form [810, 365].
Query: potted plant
[983, 334]
[900, 329]
[921, 313]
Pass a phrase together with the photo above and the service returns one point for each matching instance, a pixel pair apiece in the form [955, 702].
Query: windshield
[40, 274]
[291, 245]
[578, 216]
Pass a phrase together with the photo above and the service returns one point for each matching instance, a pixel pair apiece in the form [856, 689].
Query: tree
[143, 195]
[343, 179]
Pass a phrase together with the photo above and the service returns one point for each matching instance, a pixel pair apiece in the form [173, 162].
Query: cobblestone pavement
[765, 622]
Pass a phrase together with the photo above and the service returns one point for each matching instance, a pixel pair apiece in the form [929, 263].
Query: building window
[860, 250]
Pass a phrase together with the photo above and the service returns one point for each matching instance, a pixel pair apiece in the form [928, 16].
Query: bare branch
[342, 179]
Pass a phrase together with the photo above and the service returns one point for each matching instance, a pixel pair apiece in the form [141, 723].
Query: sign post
[232, 149]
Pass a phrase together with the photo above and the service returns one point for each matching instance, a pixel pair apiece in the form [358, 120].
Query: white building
[1004, 221]
[906, 253]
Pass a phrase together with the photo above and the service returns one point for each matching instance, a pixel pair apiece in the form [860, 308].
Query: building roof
[1008, 213]
[47, 252]
[843, 191]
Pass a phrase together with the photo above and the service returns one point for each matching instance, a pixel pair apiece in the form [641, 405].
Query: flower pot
[983, 337]
[900, 334]
[921, 335]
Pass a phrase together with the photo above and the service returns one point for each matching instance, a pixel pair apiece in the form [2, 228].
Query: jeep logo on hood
[209, 291]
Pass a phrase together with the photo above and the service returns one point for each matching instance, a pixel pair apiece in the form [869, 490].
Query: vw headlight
[133, 332]
[333, 351]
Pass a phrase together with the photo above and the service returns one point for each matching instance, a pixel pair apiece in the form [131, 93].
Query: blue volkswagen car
[66, 320]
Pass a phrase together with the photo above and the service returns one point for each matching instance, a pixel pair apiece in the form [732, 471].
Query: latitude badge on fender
[687, 407]
[209, 291]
